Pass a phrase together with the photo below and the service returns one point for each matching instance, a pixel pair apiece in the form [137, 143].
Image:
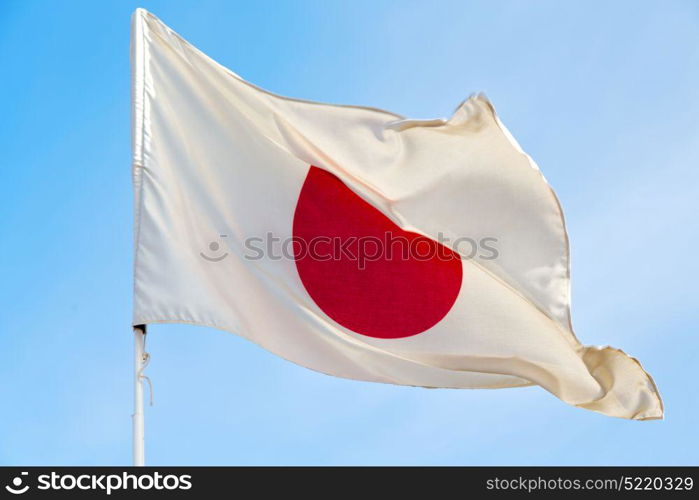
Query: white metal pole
[139, 458]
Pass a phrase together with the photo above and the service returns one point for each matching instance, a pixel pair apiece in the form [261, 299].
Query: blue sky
[603, 95]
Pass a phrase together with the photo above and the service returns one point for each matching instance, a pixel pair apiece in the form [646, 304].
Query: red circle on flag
[365, 272]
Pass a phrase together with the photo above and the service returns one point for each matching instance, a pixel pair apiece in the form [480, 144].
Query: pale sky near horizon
[603, 95]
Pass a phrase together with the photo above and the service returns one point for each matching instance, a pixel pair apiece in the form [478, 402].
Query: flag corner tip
[139, 11]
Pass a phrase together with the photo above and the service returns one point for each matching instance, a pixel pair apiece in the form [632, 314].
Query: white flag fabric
[274, 218]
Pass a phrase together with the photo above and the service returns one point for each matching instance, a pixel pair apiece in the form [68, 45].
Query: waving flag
[354, 241]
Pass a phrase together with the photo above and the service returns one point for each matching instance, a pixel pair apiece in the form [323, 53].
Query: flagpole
[138, 423]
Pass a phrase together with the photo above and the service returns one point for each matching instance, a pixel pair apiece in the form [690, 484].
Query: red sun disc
[365, 272]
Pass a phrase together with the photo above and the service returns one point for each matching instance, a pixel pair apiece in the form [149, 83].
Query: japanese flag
[354, 241]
